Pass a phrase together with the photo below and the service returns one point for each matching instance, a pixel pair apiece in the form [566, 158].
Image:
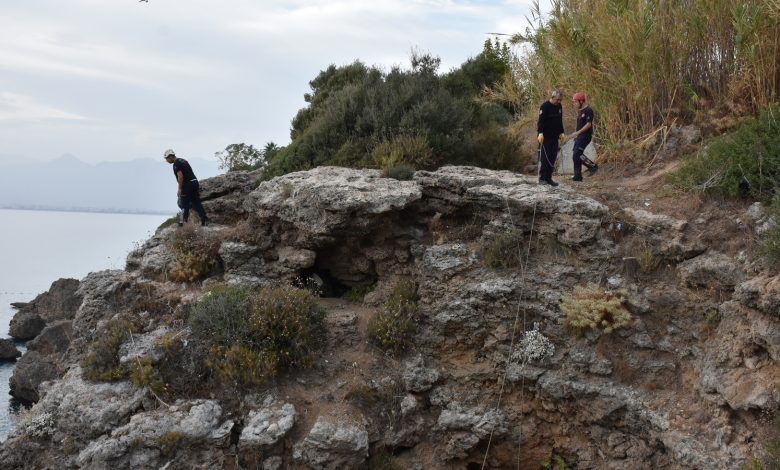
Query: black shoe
[592, 170]
[204, 223]
[576, 178]
[552, 183]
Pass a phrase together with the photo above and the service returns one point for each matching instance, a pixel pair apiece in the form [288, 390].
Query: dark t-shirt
[585, 116]
[182, 165]
[550, 119]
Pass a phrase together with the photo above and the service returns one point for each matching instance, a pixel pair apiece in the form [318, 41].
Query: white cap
[168, 153]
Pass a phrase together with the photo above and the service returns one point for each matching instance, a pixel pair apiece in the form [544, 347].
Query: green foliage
[392, 328]
[412, 151]
[255, 333]
[170, 442]
[590, 307]
[360, 116]
[639, 62]
[196, 254]
[402, 172]
[554, 463]
[144, 374]
[768, 249]
[102, 363]
[358, 293]
[745, 161]
[243, 157]
[505, 250]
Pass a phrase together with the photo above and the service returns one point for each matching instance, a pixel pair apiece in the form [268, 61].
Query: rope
[524, 270]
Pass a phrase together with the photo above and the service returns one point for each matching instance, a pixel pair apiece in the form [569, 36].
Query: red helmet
[579, 96]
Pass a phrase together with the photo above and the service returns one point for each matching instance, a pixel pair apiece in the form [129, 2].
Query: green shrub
[590, 307]
[144, 374]
[255, 333]
[743, 162]
[402, 172]
[170, 442]
[392, 328]
[358, 293]
[196, 254]
[505, 250]
[102, 363]
[403, 150]
[769, 246]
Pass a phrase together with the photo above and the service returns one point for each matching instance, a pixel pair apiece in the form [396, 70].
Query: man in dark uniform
[582, 137]
[189, 190]
[550, 129]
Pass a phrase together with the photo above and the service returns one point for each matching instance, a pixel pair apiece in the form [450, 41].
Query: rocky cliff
[500, 371]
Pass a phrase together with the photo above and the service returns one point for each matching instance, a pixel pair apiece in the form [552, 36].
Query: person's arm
[540, 125]
[584, 129]
[180, 179]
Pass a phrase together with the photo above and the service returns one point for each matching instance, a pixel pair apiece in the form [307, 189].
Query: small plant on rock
[590, 307]
[196, 254]
[394, 325]
[102, 363]
[504, 251]
[534, 347]
[35, 423]
[144, 374]
[170, 443]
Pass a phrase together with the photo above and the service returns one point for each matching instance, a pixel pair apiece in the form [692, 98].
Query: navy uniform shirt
[182, 165]
[585, 116]
[550, 120]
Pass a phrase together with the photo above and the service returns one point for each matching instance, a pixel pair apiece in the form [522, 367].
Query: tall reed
[644, 62]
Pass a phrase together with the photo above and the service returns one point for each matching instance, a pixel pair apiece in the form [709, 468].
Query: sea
[39, 247]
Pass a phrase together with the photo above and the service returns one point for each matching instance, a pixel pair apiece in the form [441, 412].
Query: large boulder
[59, 302]
[30, 371]
[711, 270]
[54, 339]
[26, 325]
[334, 444]
[266, 426]
[8, 350]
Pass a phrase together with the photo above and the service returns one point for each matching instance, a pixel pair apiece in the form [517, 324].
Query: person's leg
[195, 197]
[583, 144]
[577, 160]
[545, 160]
[185, 206]
[553, 154]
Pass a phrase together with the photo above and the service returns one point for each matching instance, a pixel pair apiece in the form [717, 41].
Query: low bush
[590, 307]
[402, 172]
[255, 333]
[504, 251]
[102, 363]
[170, 442]
[392, 328]
[403, 150]
[196, 254]
[743, 162]
[358, 293]
[144, 374]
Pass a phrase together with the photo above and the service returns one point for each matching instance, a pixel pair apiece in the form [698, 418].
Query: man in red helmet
[582, 137]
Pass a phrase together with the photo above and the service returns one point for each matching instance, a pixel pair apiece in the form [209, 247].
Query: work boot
[551, 182]
[592, 170]
[576, 178]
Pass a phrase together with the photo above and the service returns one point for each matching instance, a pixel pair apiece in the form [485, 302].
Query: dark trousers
[579, 156]
[548, 152]
[190, 194]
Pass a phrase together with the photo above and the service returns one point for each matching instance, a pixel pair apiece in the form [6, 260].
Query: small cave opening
[322, 281]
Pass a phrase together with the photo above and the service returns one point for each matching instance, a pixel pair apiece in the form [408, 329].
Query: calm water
[39, 247]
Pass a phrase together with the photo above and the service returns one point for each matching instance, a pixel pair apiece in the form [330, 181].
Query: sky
[115, 80]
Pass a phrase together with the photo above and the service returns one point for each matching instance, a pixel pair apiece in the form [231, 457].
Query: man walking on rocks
[189, 190]
[550, 129]
[582, 137]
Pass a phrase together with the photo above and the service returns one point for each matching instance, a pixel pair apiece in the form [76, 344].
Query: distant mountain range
[67, 183]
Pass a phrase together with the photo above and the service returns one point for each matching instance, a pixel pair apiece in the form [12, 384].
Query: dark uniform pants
[548, 151]
[190, 194]
[579, 156]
